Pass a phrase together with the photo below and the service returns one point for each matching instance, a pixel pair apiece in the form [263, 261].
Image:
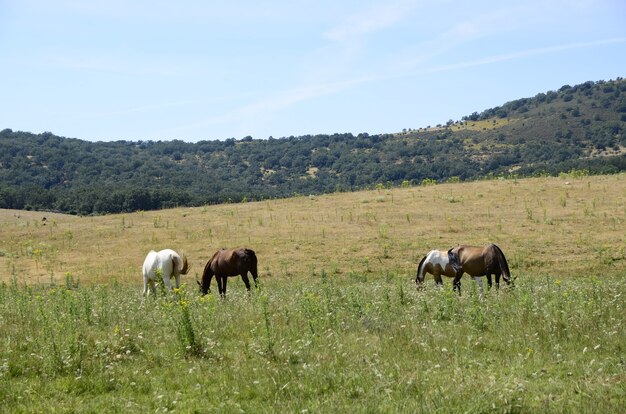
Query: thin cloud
[102, 63]
[376, 18]
[174, 104]
[294, 96]
[485, 25]
[512, 56]
[274, 103]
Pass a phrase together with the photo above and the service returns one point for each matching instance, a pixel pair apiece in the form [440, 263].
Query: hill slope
[545, 225]
[337, 325]
[579, 127]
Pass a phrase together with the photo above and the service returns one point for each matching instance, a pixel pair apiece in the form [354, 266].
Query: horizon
[111, 71]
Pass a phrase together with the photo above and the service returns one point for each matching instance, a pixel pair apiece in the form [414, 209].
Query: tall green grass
[324, 343]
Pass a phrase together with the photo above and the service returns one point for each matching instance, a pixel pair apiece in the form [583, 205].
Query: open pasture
[337, 324]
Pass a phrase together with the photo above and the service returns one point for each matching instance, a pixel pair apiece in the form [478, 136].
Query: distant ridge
[579, 127]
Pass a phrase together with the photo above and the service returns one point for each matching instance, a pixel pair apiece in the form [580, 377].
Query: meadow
[337, 324]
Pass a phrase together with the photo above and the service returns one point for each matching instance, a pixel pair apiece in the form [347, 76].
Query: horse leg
[457, 282]
[177, 281]
[438, 281]
[153, 288]
[244, 277]
[218, 279]
[497, 281]
[489, 284]
[479, 280]
[224, 280]
[167, 282]
[145, 290]
[254, 273]
[457, 285]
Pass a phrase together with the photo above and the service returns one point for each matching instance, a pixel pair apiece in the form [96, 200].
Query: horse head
[201, 287]
[419, 278]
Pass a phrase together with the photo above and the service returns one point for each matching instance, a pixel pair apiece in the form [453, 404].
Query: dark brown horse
[479, 261]
[226, 263]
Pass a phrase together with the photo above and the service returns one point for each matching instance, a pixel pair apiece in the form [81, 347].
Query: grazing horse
[480, 261]
[165, 264]
[226, 263]
[438, 263]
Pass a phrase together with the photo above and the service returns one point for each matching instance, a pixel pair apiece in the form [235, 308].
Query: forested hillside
[575, 127]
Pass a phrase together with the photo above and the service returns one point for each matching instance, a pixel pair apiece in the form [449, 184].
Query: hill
[576, 127]
[541, 223]
[338, 325]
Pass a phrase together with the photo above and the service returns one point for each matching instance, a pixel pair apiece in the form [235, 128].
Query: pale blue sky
[205, 70]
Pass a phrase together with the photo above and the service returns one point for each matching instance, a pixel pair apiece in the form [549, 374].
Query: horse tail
[185, 267]
[455, 260]
[504, 266]
[420, 271]
[253, 262]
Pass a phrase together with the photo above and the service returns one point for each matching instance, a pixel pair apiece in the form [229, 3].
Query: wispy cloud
[285, 99]
[273, 103]
[301, 94]
[510, 56]
[349, 46]
[377, 17]
[173, 104]
[106, 63]
[456, 34]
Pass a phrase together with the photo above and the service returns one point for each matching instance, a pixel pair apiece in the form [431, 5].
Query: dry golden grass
[559, 226]
[482, 125]
[492, 123]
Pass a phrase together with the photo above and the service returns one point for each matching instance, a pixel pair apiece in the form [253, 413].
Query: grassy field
[337, 325]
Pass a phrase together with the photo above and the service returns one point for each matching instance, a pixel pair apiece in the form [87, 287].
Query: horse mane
[215, 254]
[502, 261]
[207, 267]
[419, 267]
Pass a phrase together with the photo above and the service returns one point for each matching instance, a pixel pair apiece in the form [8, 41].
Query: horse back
[472, 259]
[209, 268]
[249, 254]
[247, 260]
[469, 254]
[438, 262]
[231, 262]
[164, 261]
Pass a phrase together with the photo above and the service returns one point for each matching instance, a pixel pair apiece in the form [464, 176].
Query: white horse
[438, 263]
[165, 264]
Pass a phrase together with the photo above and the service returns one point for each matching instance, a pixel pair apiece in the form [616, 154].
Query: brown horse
[479, 261]
[439, 263]
[226, 263]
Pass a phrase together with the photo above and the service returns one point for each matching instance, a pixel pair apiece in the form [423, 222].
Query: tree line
[575, 127]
